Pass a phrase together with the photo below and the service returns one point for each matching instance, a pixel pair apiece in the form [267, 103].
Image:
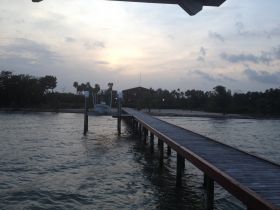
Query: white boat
[101, 109]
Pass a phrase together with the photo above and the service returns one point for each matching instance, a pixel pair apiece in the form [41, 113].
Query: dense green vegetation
[25, 91]
[219, 100]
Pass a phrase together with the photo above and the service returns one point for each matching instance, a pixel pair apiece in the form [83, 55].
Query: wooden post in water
[132, 124]
[136, 127]
[168, 150]
[210, 193]
[161, 147]
[119, 112]
[140, 130]
[145, 131]
[86, 93]
[152, 137]
[204, 181]
[179, 170]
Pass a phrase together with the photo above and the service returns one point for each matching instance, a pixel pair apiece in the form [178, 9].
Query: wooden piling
[168, 150]
[119, 116]
[152, 137]
[204, 181]
[210, 193]
[136, 127]
[179, 170]
[132, 124]
[145, 133]
[140, 130]
[161, 147]
[86, 116]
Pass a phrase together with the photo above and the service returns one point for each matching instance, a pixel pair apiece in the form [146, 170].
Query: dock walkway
[251, 179]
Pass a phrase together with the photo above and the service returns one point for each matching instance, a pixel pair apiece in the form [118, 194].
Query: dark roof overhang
[192, 7]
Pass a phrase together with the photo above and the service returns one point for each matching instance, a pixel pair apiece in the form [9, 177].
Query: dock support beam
[204, 181]
[180, 167]
[135, 127]
[140, 130]
[210, 193]
[132, 124]
[168, 150]
[152, 137]
[161, 146]
[119, 115]
[86, 116]
[145, 132]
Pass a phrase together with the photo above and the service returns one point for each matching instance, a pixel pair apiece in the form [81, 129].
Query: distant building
[137, 97]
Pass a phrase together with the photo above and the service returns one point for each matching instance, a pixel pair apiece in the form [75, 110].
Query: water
[46, 163]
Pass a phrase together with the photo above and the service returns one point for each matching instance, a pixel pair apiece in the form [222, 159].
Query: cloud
[217, 36]
[28, 50]
[239, 58]
[274, 32]
[242, 31]
[91, 45]
[202, 54]
[223, 77]
[102, 62]
[264, 57]
[276, 52]
[263, 76]
[70, 39]
[210, 78]
[27, 56]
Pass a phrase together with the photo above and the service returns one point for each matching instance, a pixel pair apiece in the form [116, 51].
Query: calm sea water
[46, 163]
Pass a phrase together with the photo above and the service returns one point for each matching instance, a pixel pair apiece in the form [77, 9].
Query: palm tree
[76, 85]
[96, 89]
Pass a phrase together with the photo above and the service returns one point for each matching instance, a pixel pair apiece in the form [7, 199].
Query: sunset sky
[236, 45]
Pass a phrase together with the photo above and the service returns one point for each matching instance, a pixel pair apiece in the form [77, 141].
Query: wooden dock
[251, 179]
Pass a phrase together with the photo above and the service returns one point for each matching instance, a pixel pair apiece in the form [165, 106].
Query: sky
[236, 45]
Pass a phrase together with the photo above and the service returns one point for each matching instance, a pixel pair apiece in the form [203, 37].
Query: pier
[253, 180]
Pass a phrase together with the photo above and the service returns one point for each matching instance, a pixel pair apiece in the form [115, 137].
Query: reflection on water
[46, 163]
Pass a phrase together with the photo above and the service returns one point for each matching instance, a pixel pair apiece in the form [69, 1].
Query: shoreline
[190, 113]
[153, 112]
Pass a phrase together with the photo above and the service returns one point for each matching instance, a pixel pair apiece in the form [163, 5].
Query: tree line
[220, 99]
[26, 91]
[22, 90]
